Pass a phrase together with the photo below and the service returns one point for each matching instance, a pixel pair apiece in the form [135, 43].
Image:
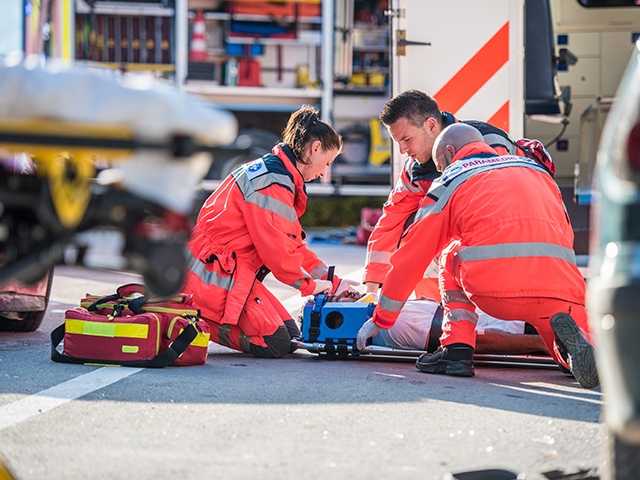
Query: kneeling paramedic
[250, 226]
[509, 252]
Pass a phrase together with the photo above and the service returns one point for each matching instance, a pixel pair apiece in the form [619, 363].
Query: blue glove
[367, 331]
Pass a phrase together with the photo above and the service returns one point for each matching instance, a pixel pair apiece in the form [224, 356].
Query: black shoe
[576, 350]
[456, 360]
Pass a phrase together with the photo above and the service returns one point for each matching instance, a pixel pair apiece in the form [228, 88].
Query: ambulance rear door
[467, 54]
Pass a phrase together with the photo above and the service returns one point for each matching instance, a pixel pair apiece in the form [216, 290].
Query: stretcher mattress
[152, 110]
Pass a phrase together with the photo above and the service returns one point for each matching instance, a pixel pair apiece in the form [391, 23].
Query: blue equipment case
[334, 325]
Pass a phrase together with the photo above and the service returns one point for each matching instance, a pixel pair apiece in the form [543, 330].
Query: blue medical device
[333, 326]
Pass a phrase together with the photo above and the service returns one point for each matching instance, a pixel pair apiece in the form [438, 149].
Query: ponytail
[304, 126]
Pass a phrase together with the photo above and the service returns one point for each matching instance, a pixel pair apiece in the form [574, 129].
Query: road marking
[392, 375]
[549, 394]
[41, 402]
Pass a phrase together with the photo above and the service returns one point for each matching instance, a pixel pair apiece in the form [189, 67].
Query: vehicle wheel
[623, 459]
[29, 321]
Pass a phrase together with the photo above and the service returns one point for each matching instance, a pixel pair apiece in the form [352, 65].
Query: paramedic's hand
[372, 287]
[322, 286]
[346, 285]
[368, 330]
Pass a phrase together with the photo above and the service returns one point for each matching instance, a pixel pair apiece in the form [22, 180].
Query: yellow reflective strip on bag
[130, 349]
[201, 340]
[104, 329]
[177, 311]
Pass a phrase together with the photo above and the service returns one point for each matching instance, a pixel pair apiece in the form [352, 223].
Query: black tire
[623, 459]
[30, 321]
[256, 142]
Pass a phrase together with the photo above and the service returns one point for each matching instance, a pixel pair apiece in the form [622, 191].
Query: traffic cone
[198, 52]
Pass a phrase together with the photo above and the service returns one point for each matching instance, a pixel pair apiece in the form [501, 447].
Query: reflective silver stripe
[455, 296]
[389, 304]
[210, 278]
[459, 172]
[319, 271]
[378, 257]
[460, 315]
[495, 139]
[273, 205]
[249, 186]
[513, 250]
[432, 269]
[263, 181]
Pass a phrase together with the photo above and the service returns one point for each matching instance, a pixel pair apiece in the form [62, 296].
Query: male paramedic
[414, 120]
[509, 252]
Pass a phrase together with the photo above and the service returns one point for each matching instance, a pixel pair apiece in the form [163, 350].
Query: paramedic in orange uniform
[414, 120]
[509, 251]
[250, 226]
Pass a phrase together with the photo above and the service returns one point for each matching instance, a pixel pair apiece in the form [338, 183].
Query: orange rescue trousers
[264, 328]
[460, 318]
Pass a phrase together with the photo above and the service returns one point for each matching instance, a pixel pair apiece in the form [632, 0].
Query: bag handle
[163, 359]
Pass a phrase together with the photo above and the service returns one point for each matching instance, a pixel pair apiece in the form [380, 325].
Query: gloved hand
[372, 287]
[345, 285]
[322, 286]
[367, 330]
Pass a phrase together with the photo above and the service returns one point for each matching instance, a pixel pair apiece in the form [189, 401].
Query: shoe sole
[581, 355]
[457, 368]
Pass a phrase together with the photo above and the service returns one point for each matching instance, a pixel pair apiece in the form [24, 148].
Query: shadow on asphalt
[303, 378]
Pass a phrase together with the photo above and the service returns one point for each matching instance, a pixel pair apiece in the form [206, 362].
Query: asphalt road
[300, 417]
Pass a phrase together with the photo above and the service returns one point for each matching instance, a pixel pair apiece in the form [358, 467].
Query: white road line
[41, 402]
[53, 397]
[549, 394]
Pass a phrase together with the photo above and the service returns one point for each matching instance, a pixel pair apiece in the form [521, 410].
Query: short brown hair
[414, 105]
[304, 126]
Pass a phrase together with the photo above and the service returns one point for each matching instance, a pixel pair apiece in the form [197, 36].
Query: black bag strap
[134, 304]
[436, 330]
[106, 299]
[163, 359]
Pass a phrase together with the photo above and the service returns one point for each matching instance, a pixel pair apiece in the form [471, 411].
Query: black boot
[575, 349]
[456, 360]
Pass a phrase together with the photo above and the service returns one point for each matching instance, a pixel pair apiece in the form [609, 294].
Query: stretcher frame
[374, 352]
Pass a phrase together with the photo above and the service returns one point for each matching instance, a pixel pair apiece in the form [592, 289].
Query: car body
[614, 289]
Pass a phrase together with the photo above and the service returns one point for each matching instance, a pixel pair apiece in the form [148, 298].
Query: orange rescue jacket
[250, 223]
[398, 211]
[508, 214]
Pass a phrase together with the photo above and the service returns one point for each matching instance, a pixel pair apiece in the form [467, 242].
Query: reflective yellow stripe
[201, 340]
[177, 311]
[130, 349]
[146, 308]
[104, 329]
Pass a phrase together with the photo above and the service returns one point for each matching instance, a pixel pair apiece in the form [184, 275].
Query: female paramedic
[250, 226]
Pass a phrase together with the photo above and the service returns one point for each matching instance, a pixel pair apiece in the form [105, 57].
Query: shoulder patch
[255, 168]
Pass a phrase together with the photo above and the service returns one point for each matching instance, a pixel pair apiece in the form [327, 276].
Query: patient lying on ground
[416, 329]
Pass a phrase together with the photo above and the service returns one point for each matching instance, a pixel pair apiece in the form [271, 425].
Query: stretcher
[330, 328]
[154, 143]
